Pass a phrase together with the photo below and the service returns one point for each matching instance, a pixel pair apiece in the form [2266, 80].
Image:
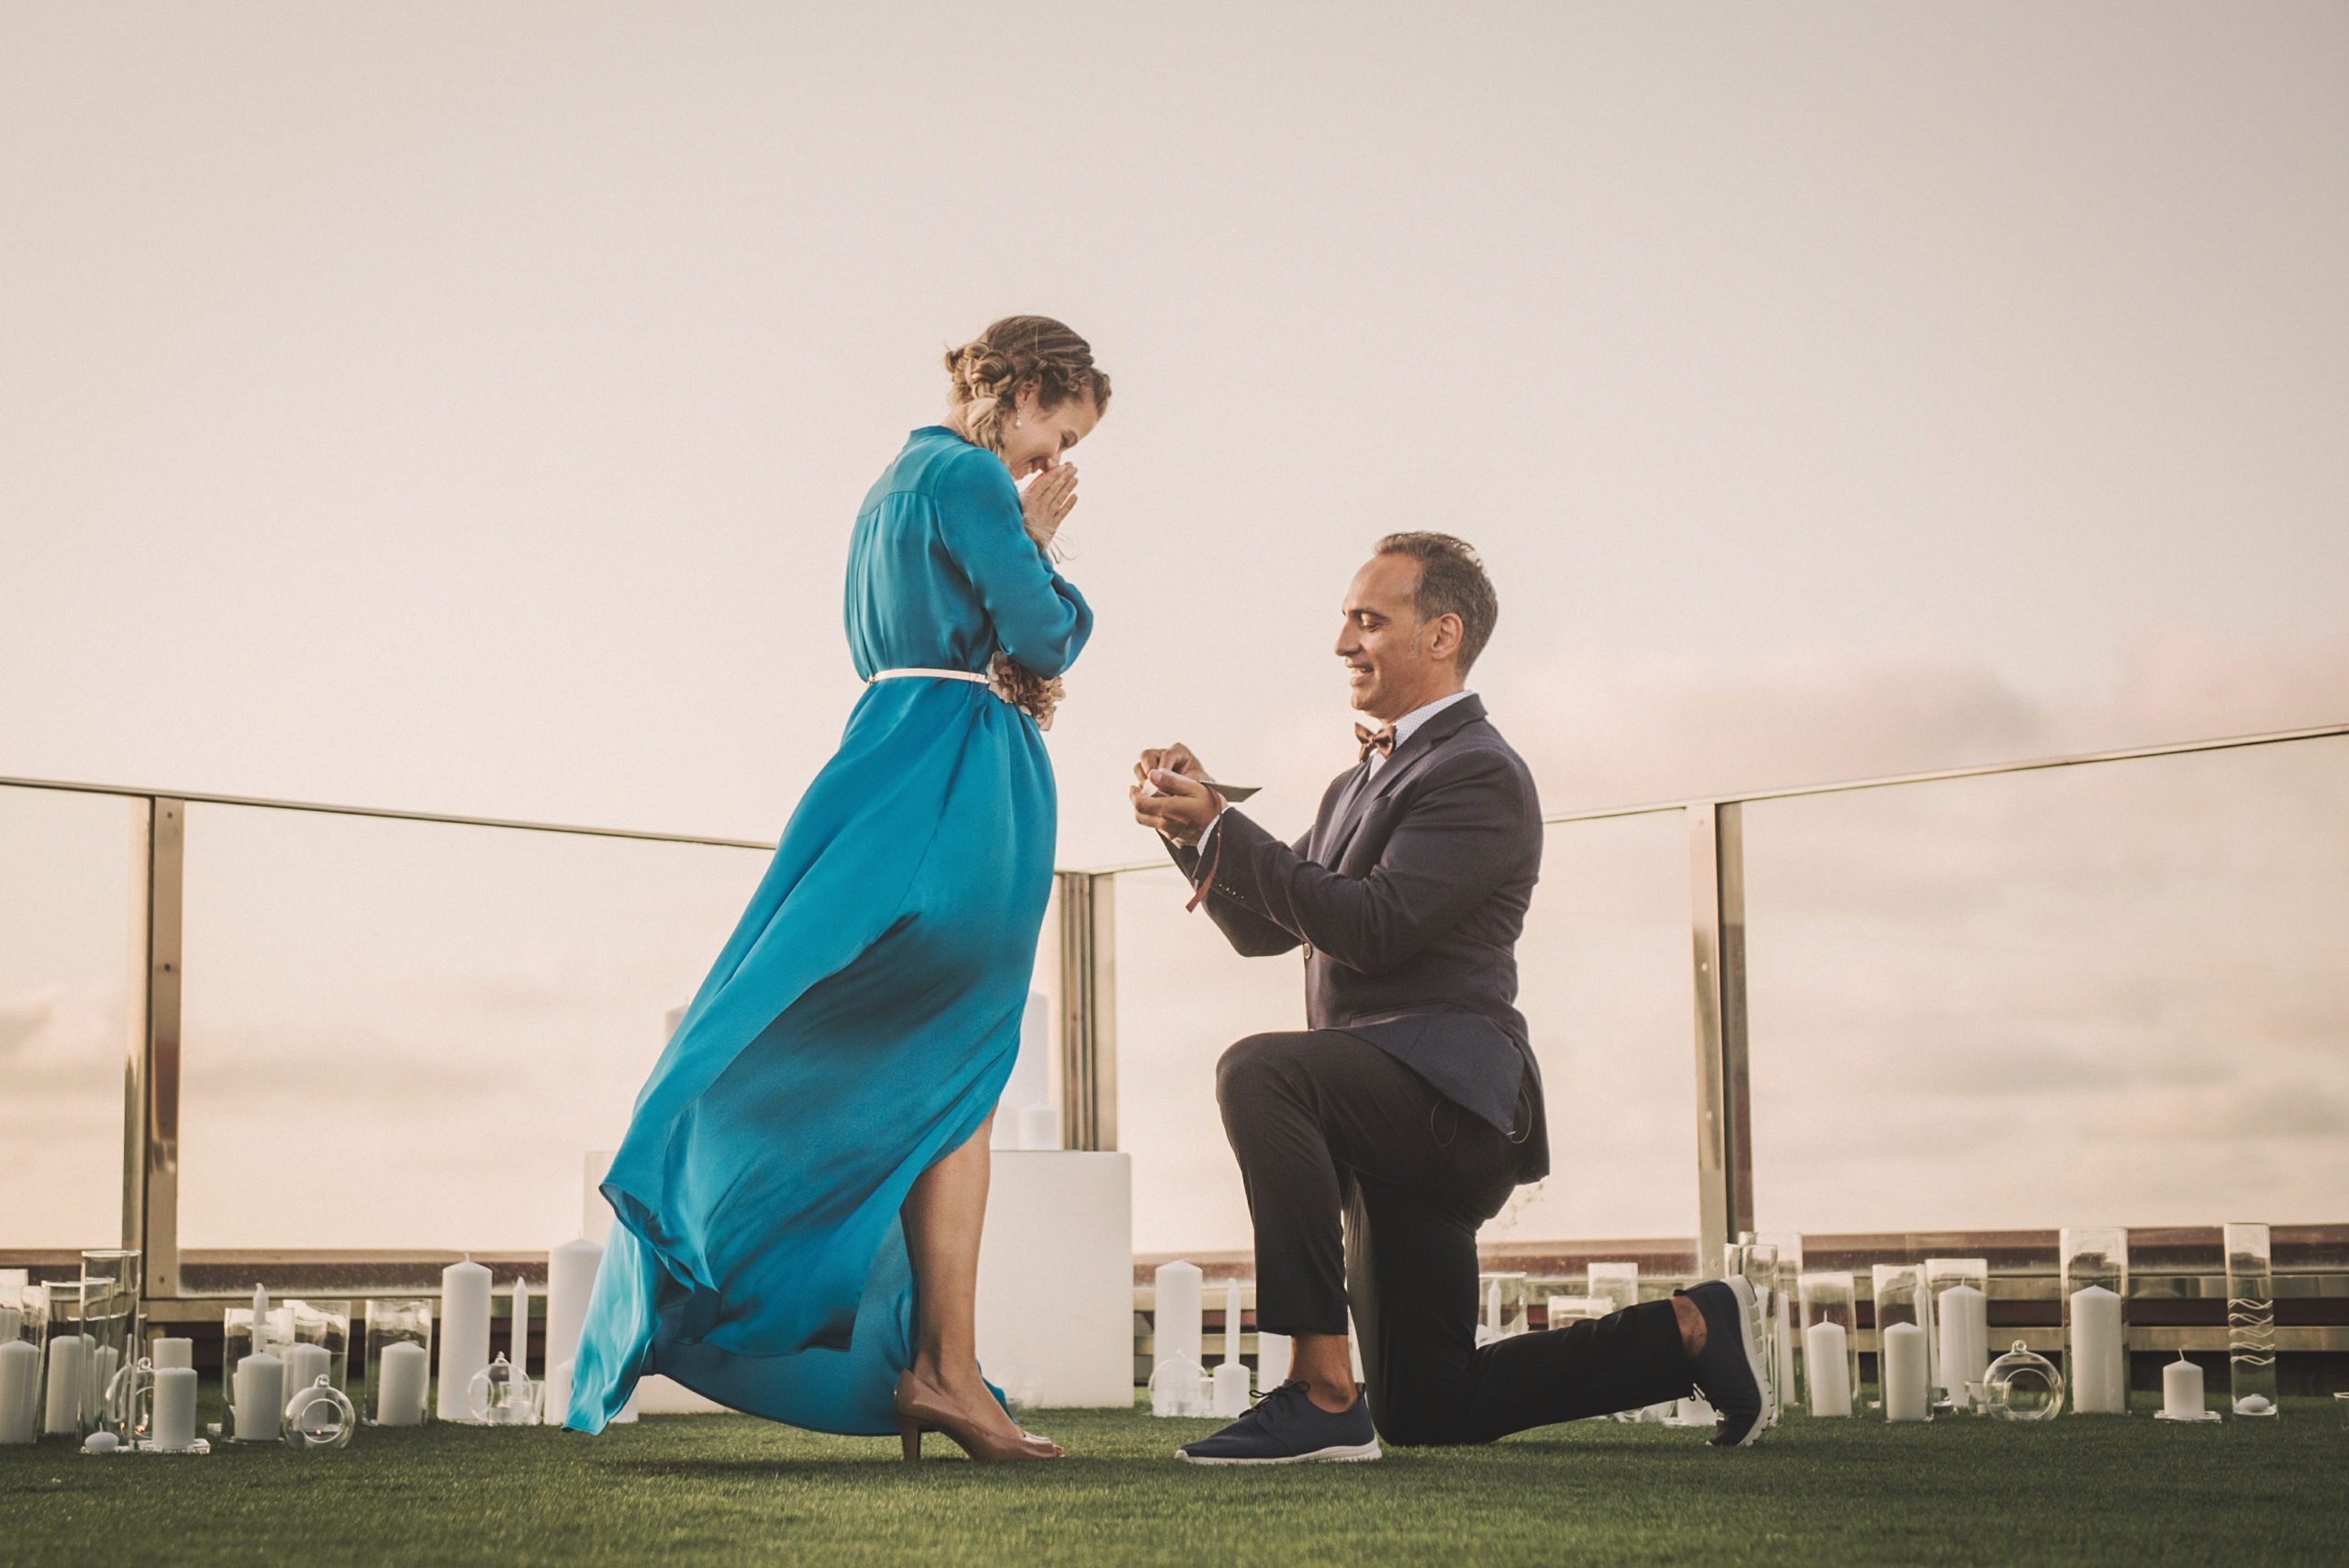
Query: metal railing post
[152, 1133]
[1724, 1115]
[1088, 966]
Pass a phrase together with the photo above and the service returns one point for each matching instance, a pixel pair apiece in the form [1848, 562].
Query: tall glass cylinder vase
[1786, 1291]
[2251, 1321]
[1830, 1344]
[1760, 1265]
[24, 1318]
[110, 1317]
[399, 1362]
[1957, 1299]
[1904, 1342]
[65, 1360]
[2096, 1332]
[315, 1329]
[1618, 1283]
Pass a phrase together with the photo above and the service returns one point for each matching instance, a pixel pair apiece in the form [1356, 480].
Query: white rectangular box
[1057, 1275]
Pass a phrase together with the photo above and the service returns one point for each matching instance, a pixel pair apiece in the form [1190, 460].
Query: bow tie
[1381, 740]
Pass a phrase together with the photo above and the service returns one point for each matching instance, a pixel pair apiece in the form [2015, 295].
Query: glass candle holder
[2022, 1386]
[2250, 1322]
[65, 1360]
[1957, 1302]
[1830, 1342]
[1759, 1266]
[1785, 1290]
[1904, 1342]
[317, 1416]
[1618, 1283]
[502, 1394]
[2096, 1333]
[320, 1327]
[24, 1321]
[1500, 1311]
[399, 1361]
[110, 1318]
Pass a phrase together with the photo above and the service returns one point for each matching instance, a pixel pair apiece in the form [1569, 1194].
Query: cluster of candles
[93, 1389]
[1180, 1383]
[1932, 1333]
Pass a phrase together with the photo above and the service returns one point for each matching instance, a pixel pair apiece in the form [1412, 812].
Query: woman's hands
[1047, 502]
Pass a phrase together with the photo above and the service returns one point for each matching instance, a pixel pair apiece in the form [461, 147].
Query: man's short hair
[1452, 582]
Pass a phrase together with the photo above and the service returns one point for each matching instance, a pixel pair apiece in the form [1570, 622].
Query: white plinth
[1057, 1275]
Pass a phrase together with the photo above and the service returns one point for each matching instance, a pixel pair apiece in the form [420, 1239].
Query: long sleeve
[1249, 932]
[1039, 617]
[1464, 815]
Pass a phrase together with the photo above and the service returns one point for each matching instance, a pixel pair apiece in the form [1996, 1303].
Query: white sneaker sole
[1749, 1318]
[1342, 1454]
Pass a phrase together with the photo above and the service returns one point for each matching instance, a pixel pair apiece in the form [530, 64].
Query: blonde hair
[988, 372]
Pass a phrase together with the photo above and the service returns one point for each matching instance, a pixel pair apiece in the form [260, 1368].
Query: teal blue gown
[860, 1022]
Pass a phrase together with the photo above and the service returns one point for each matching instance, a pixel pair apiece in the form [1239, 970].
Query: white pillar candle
[517, 1340]
[12, 1323]
[1965, 1315]
[1231, 1315]
[465, 1335]
[260, 1403]
[1272, 1359]
[571, 1280]
[20, 1390]
[304, 1364]
[1232, 1390]
[1493, 1307]
[2182, 1390]
[261, 1319]
[1902, 1358]
[1786, 1350]
[68, 1361]
[2099, 1372]
[1176, 1319]
[174, 1419]
[174, 1353]
[104, 1362]
[1826, 1361]
[401, 1373]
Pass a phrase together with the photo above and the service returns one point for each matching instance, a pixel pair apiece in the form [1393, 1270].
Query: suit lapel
[1406, 759]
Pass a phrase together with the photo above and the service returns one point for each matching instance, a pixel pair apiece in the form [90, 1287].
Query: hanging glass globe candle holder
[321, 1416]
[2022, 1386]
[502, 1394]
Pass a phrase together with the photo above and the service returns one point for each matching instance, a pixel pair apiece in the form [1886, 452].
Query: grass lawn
[724, 1489]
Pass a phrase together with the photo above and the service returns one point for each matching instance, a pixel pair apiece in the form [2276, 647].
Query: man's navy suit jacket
[1408, 895]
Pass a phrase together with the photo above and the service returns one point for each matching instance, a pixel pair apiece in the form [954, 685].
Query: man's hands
[1047, 502]
[1168, 796]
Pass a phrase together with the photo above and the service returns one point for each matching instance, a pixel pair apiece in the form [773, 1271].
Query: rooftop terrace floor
[711, 1489]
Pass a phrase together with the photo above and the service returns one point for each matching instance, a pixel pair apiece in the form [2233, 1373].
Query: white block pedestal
[1057, 1275]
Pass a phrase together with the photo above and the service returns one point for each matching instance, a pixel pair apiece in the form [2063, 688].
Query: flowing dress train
[861, 1021]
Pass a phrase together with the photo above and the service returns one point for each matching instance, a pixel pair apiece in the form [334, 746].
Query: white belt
[916, 674]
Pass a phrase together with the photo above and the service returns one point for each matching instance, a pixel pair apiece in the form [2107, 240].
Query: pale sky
[464, 408]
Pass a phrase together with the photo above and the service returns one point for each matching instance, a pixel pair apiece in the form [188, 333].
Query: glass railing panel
[1183, 997]
[2107, 994]
[1605, 987]
[406, 1034]
[71, 936]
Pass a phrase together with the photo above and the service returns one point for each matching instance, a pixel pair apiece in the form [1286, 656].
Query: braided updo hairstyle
[988, 372]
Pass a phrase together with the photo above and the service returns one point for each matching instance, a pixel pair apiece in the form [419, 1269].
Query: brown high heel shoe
[922, 1408]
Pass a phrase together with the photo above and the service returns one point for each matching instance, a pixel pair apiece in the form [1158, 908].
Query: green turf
[723, 1489]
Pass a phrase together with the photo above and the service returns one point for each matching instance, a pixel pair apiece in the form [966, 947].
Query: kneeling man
[1376, 1142]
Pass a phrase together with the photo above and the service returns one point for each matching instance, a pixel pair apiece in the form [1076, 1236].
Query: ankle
[1334, 1397]
[1692, 1326]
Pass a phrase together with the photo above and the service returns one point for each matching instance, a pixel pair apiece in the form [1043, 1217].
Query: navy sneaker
[1286, 1427]
[1730, 1372]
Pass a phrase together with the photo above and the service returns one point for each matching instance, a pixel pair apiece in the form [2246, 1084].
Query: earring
[1017, 421]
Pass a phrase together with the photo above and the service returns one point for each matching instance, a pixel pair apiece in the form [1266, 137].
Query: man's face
[1390, 664]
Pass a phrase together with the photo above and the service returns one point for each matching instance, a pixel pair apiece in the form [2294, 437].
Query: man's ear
[1448, 632]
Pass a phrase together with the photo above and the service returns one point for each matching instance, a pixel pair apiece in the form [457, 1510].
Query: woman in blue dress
[800, 1190]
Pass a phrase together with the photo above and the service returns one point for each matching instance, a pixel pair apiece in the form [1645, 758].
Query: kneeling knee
[1251, 1064]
